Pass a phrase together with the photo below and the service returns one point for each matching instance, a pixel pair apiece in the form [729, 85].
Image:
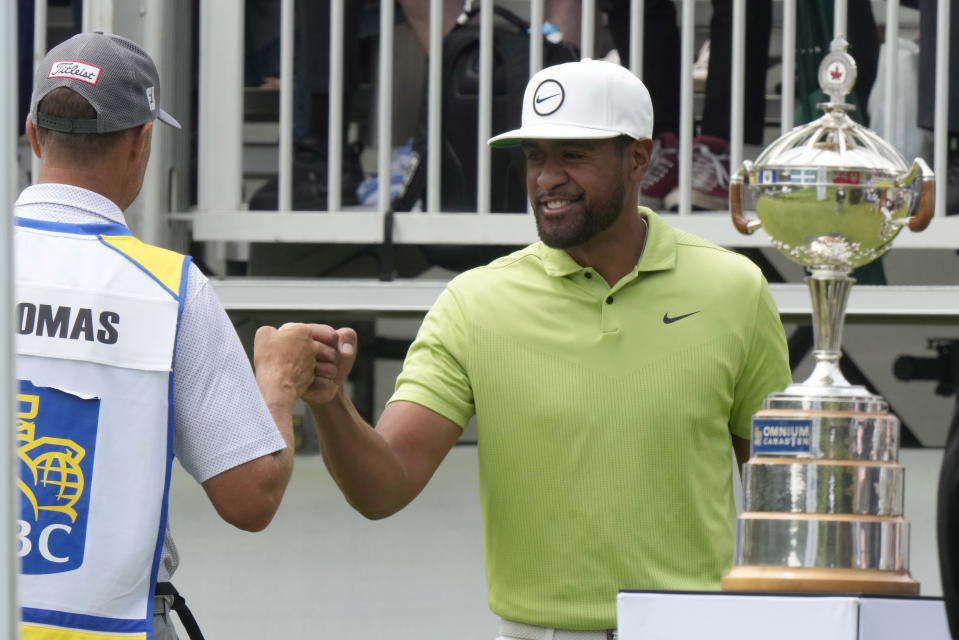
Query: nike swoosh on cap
[538, 100]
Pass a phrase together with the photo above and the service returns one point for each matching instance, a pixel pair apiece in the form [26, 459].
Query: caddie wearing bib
[612, 368]
[124, 359]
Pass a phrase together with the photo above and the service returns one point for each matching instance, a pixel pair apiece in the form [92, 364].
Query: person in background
[125, 359]
[611, 367]
[312, 97]
[565, 15]
[661, 71]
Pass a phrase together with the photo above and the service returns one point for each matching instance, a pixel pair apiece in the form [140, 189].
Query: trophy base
[815, 579]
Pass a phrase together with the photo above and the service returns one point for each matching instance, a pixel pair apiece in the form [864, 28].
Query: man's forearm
[362, 463]
[248, 495]
[282, 411]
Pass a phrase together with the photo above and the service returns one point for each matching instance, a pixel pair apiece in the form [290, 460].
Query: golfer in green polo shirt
[610, 366]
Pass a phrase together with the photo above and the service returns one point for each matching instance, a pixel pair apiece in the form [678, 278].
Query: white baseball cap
[589, 99]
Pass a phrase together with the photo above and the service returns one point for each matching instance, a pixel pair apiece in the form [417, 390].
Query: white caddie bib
[96, 314]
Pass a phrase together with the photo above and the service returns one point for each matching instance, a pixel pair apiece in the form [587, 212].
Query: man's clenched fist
[335, 355]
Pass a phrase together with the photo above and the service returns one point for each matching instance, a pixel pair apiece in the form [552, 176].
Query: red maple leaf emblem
[836, 73]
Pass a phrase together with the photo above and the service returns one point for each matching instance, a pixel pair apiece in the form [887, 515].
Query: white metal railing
[9, 496]
[687, 32]
[220, 217]
[220, 124]
[893, 304]
[942, 102]
[892, 44]
[636, 9]
[285, 199]
[788, 95]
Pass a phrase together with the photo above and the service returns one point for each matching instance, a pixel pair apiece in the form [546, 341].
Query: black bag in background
[460, 122]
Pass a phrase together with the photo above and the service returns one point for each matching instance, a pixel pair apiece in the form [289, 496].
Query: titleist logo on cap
[76, 70]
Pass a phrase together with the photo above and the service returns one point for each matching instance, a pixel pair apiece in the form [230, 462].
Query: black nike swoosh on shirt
[538, 100]
[668, 320]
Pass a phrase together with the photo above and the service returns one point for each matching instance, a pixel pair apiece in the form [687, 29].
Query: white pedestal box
[647, 615]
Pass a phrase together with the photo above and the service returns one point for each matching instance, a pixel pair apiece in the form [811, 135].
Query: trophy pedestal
[823, 497]
[814, 579]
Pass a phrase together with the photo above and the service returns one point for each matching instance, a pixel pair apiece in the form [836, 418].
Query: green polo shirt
[604, 416]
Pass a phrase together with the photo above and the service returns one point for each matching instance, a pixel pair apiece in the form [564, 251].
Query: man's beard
[594, 219]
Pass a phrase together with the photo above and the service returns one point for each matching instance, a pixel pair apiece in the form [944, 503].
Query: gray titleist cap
[114, 74]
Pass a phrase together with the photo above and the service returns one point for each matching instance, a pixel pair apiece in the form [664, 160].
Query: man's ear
[639, 156]
[141, 141]
[32, 137]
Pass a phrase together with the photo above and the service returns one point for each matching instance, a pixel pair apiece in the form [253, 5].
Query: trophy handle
[743, 224]
[927, 194]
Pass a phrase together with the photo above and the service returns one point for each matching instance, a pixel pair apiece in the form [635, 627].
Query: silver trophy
[823, 489]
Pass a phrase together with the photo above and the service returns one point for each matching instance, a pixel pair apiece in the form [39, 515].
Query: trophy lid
[834, 141]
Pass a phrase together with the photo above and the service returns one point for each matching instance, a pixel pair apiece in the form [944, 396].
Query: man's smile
[555, 206]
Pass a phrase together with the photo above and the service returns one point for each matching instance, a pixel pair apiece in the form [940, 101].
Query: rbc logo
[56, 437]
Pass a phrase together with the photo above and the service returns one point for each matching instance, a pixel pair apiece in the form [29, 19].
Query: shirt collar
[658, 255]
[660, 251]
[65, 195]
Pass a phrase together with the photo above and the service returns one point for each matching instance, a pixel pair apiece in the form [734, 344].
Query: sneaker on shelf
[403, 164]
[701, 68]
[710, 173]
[309, 180]
[662, 176]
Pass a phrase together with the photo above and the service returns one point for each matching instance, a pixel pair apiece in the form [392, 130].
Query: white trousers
[509, 630]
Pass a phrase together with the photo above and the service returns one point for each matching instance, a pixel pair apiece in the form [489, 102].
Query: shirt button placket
[610, 315]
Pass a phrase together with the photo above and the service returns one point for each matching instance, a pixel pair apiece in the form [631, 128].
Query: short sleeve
[220, 418]
[766, 366]
[435, 372]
